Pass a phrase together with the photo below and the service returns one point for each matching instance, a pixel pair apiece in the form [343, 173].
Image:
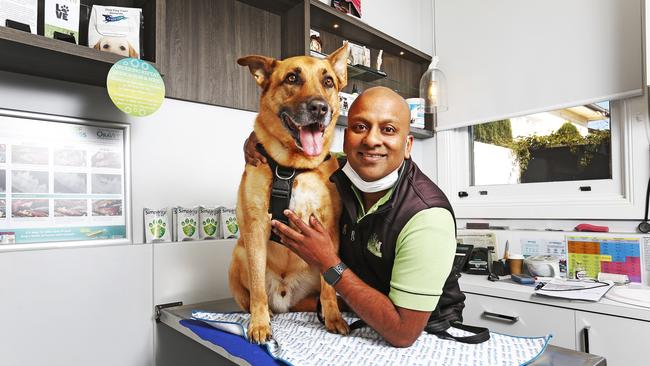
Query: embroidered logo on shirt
[374, 245]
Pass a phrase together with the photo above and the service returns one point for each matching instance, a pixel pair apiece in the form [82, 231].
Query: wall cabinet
[195, 45]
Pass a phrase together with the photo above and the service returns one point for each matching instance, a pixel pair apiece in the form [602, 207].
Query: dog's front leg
[252, 212]
[334, 321]
[259, 329]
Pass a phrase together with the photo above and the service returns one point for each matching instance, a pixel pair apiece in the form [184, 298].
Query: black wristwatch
[333, 274]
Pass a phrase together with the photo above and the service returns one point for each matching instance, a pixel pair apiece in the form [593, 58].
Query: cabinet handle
[585, 338]
[511, 318]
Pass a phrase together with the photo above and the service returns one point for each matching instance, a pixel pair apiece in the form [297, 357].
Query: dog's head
[117, 45]
[299, 102]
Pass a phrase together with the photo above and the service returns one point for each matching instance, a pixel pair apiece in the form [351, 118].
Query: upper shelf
[349, 27]
[375, 77]
[32, 54]
[274, 6]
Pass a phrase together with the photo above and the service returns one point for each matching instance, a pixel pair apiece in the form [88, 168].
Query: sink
[633, 295]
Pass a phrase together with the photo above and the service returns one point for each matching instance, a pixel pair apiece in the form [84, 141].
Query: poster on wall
[62, 182]
[604, 254]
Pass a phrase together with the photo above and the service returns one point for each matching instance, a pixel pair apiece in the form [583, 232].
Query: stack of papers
[575, 290]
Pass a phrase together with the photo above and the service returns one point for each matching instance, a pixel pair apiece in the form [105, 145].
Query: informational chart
[609, 255]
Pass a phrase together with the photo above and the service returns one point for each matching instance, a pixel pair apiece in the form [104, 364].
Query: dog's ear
[261, 67]
[132, 52]
[339, 61]
[98, 45]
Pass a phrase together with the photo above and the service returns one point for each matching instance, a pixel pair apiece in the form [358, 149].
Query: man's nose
[318, 108]
[373, 137]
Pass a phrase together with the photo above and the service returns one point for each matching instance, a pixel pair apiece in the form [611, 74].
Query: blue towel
[236, 345]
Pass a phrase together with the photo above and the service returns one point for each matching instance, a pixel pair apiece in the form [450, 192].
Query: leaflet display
[61, 182]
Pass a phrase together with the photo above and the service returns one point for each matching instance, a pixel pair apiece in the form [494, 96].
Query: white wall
[409, 21]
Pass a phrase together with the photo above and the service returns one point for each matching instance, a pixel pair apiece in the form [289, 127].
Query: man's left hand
[312, 242]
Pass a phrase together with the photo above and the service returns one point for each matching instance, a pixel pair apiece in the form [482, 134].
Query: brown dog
[299, 106]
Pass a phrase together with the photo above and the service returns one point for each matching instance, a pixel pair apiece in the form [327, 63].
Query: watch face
[331, 276]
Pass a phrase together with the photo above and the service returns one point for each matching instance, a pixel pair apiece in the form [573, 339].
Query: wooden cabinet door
[623, 342]
[521, 318]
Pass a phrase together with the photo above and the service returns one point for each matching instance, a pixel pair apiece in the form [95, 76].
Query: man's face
[377, 138]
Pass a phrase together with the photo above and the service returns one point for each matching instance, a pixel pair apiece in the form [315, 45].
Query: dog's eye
[329, 82]
[106, 46]
[122, 48]
[291, 79]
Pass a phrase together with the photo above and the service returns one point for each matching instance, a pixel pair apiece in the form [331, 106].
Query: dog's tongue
[311, 141]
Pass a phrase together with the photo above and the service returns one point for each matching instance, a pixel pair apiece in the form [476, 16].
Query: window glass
[562, 145]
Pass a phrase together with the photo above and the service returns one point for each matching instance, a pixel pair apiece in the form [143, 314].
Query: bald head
[380, 97]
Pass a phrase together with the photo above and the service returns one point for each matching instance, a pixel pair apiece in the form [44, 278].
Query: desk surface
[553, 356]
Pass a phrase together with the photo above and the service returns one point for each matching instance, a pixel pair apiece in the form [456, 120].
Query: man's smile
[371, 156]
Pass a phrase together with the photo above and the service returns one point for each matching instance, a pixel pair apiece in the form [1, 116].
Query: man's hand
[312, 242]
[251, 155]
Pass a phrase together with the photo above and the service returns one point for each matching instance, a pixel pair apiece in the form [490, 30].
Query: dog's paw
[189, 226]
[336, 324]
[259, 333]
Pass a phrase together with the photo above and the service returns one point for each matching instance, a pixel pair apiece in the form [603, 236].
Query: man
[397, 227]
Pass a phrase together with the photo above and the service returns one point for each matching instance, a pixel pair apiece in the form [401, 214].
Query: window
[571, 144]
[603, 174]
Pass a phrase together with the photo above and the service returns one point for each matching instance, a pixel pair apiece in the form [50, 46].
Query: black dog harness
[283, 178]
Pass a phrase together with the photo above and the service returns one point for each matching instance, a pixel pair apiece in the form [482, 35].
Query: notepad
[575, 290]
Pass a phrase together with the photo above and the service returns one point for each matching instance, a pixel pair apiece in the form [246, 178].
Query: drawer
[621, 341]
[521, 318]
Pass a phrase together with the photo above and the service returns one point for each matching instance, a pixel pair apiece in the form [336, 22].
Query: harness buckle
[277, 174]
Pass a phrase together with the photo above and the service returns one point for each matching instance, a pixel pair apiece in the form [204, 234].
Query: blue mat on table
[234, 344]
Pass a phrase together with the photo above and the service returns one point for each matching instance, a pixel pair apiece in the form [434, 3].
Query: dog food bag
[208, 223]
[62, 19]
[156, 225]
[115, 29]
[186, 223]
[228, 223]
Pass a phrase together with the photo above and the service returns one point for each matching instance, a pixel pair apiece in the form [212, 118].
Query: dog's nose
[318, 108]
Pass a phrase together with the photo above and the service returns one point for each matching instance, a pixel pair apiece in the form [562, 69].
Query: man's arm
[398, 326]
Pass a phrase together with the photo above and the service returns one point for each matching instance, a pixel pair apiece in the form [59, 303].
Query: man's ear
[339, 61]
[261, 67]
[409, 146]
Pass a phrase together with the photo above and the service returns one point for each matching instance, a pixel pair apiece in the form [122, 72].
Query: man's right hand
[251, 155]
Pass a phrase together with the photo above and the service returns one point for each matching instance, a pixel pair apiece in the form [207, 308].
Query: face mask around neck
[370, 187]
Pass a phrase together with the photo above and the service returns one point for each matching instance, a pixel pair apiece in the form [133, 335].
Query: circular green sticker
[135, 87]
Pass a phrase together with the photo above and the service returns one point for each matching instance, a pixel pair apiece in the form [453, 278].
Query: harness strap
[283, 178]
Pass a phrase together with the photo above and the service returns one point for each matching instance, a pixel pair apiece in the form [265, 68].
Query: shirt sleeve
[424, 255]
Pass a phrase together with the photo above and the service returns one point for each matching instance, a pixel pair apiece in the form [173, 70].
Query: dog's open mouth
[309, 137]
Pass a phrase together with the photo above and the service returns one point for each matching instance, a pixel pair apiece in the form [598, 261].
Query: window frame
[622, 197]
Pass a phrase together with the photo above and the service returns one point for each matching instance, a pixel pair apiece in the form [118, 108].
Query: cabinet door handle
[585, 338]
[511, 318]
